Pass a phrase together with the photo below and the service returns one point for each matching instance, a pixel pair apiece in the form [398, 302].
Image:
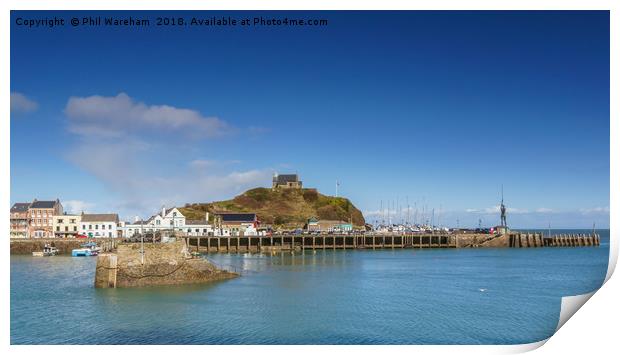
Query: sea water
[411, 296]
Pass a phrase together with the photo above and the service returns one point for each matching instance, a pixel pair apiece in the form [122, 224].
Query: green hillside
[282, 207]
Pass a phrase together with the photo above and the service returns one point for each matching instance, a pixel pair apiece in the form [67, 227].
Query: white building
[170, 220]
[99, 225]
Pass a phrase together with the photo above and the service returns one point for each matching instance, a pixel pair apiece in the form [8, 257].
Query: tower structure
[502, 209]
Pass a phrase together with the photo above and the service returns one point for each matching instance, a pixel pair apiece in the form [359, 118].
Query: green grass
[282, 207]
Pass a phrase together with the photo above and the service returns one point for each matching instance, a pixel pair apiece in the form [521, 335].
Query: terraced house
[99, 225]
[169, 220]
[40, 218]
[19, 220]
[66, 225]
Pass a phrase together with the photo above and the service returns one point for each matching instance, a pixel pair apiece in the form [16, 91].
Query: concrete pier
[244, 244]
[137, 265]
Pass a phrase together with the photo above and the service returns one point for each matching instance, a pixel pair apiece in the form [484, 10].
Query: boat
[87, 249]
[48, 250]
[81, 252]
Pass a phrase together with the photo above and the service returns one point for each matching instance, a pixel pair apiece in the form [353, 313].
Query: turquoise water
[464, 296]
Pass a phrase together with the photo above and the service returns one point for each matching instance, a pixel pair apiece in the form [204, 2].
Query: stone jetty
[137, 265]
[290, 242]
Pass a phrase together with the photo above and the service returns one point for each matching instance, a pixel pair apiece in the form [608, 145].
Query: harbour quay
[374, 241]
[64, 245]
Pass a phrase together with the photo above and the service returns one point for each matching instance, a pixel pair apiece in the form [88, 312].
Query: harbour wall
[64, 245]
[160, 264]
[384, 241]
[318, 242]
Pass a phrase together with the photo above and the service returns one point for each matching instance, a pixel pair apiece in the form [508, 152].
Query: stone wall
[27, 246]
[163, 264]
[479, 240]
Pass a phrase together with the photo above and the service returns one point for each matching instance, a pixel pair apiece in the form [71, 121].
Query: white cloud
[21, 103]
[136, 151]
[496, 210]
[544, 210]
[77, 206]
[115, 116]
[595, 210]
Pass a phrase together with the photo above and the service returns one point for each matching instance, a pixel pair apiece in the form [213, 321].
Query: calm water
[469, 296]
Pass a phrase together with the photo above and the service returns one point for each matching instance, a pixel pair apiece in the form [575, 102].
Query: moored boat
[87, 249]
[81, 252]
[48, 250]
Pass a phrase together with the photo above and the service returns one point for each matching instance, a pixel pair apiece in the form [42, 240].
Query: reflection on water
[441, 296]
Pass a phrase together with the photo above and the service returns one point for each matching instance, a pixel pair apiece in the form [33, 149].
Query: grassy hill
[282, 207]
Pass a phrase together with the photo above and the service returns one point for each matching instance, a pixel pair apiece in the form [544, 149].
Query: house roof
[168, 210]
[102, 217]
[20, 207]
[237, 217]
[43, 204]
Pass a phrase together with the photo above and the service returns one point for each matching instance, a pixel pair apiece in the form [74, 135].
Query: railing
[228, 267]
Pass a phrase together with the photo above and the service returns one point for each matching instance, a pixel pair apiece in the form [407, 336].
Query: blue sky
[437, 108]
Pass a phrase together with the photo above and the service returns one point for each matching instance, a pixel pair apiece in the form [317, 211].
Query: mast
[407, 210]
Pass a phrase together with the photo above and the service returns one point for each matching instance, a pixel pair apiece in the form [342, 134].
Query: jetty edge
[140, 265]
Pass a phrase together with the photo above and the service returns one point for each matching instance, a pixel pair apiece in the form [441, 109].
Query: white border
[571, 335]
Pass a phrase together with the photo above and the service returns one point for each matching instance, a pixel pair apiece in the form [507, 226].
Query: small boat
[81, 252]
[87, 249]
[48, 250]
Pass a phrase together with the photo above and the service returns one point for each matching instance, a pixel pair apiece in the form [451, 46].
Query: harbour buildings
[40, 218]
[99, 225]
[235, 224]
[168, 220]
[66, 225]
[324, 225]
[19, 220]
[286, 181]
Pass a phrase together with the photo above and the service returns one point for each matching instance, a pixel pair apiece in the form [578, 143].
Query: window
[109, 226]
[72, 221]
[75, 228]
[96, 226]
[158, 222]
[57, 228]
[60, 221]
[83, 226]
[66, 228]
[90, 226]
[110, 234]
[103, 226]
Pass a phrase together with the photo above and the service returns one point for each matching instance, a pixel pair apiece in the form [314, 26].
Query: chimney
[207, 217]
[163, 211]
[136, 219]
